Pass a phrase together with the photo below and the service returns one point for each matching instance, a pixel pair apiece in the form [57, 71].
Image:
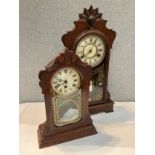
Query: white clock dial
[91, 50]
[66, 81]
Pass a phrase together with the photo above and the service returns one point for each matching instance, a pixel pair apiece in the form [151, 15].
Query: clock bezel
[94, 32]
[62, 95]
[90, 32]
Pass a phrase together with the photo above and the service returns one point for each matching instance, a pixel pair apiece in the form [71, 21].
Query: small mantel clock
[65, 85]
[91, 40]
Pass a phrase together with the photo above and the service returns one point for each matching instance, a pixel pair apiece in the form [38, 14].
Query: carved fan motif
[90, 15]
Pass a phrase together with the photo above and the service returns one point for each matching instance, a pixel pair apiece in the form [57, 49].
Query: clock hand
[89, 51]
[59, 80]
[92, 47]
[62, 82]
[84, 56]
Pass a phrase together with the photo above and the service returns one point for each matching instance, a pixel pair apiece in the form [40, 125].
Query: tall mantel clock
[91, 40]
[65, 85]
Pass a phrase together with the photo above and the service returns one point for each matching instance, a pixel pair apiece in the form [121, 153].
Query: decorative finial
[90, 12]
[90, 15]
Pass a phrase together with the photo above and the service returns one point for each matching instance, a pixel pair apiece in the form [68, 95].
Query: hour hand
[89, 52]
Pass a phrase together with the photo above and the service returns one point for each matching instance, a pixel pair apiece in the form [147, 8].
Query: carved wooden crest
[90, 19]
[66, 58]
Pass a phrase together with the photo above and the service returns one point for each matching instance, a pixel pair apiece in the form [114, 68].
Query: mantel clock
[91, 40]
[65, 85]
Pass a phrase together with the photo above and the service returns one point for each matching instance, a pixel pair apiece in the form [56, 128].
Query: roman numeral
[82, 56]
[99, 44]
[95, 41]
[98, 55]
[74, 75]
[100, 50]
[90, 39]
[74, 85]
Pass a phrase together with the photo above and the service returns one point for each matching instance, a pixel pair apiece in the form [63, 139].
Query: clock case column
[91, 22]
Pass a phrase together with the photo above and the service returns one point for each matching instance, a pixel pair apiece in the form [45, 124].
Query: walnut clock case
[65, 85]
[91, 40]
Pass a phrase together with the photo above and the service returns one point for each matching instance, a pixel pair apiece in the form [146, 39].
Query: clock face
[65, 81]
[91, 50]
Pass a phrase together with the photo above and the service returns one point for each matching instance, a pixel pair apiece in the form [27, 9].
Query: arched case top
[89, 22]
[65, 59]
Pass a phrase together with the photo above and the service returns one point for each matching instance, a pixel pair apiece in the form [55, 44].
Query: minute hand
[90, 51]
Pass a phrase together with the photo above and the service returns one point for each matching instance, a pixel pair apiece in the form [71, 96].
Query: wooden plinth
[45, 141]
[105, 107]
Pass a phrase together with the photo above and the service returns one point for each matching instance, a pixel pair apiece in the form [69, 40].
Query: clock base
[101, 107]
[46, 141]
